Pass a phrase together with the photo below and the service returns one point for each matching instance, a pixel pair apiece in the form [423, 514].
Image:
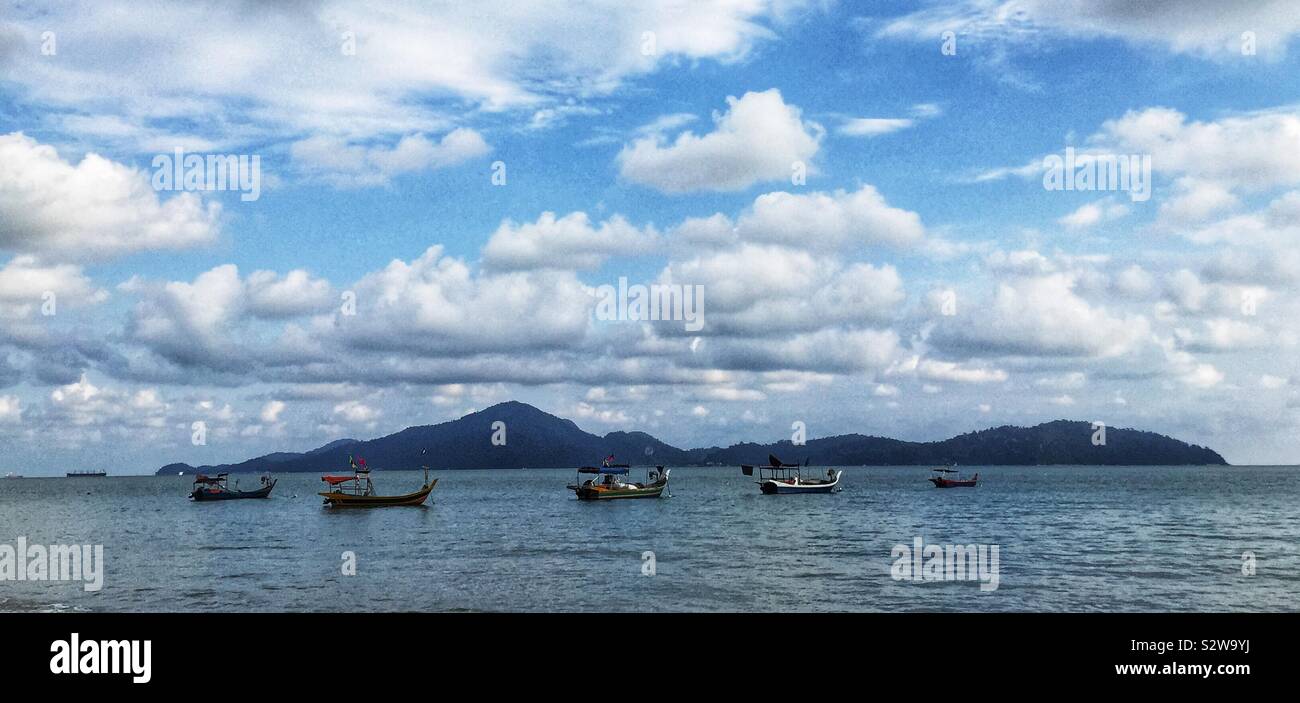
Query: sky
[856, 195]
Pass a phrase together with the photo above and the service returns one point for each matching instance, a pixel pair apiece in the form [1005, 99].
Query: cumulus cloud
[295, 294]
[830, 220]
[1041, 316]
[94, 209]
[25, 284]
[766, 289]
[207, 322]
[1246, 151]
[817, 221]
[760, 138]
[436, 304]
[568, 243]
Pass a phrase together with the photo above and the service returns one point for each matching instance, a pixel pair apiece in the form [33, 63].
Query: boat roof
[619, 469]
[946, 471]
[338, 479]
[204, 478]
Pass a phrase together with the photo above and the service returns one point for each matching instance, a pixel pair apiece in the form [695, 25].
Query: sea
[1067, 538]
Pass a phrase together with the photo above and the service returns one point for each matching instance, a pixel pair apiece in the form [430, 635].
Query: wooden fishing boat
[606, 483]
[216, 488]
[357, 490]
[779, 478]
[941, 479]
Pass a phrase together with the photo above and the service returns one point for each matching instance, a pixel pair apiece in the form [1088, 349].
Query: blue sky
[662, 157]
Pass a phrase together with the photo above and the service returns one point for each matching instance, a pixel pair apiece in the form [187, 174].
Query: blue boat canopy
[603, 470]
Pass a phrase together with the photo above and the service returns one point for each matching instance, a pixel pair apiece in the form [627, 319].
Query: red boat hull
[949, 483]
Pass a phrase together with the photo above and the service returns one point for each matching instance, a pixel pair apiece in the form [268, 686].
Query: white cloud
[1042, 315]
[271, 411]
[1134, 282]
[1248, 151]
[831, 220]
[1196, 200]
[1272, 382]
[288, 68]
[188, 322]
[356, 412]
[873, 126]
[565, 243]
[945, 371]
[435, 304]
[1091, 214]
[879, 126]
[347, 165]
[11, 409]
[24, 283]
[296, 293]
[760, 138]
[95, 209]
[831, 350]
[1068, 381]
[796, 291]
[1224, 334]
[1200, 27]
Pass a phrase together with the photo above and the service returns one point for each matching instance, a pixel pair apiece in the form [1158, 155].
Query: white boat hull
[774, 487]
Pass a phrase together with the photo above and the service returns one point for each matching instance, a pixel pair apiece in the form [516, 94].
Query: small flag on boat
[746, 469]
[609, 460]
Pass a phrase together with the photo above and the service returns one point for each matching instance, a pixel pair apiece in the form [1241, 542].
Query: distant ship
[13, 475]
[87, 474]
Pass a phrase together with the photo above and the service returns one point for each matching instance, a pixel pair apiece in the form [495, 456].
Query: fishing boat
[942, 479]
[358, 491]
[779, 478]
[87, 474]
[607, 482]
[216, 488]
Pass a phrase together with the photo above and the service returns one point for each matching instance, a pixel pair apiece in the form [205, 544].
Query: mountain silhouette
[537, 439]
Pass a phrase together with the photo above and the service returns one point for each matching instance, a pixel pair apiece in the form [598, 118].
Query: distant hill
[537, 439]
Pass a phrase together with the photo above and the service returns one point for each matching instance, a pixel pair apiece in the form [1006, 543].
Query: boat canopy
[946, 471]
[209, 479]
[334, 480]
[603, 470]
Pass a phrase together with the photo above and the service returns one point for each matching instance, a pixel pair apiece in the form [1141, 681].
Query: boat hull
[344, 500]
[205, 496]
[584, 492]
[774, 487]
[946, 483]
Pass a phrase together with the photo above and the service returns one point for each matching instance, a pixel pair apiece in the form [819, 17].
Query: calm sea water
[1072, 539]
